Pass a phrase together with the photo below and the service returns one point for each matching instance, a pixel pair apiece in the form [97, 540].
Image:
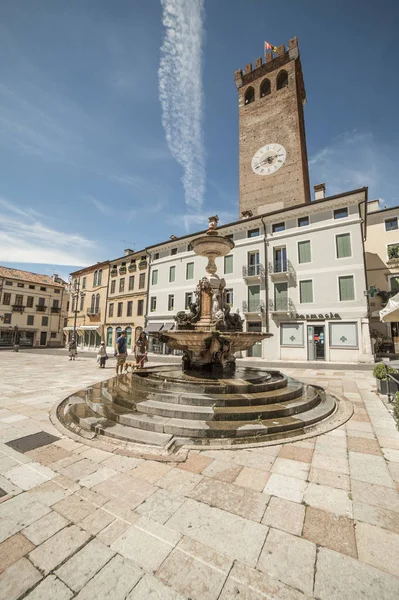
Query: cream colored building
[88, 305]
[33, 308]
[127, 297]
[382, 265]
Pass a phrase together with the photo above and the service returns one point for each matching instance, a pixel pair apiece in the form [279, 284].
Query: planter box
[382, 386]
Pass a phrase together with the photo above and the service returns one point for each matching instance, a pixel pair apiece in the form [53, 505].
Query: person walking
[72, 349]
[102, 355]
[121, 352]
[140, 350]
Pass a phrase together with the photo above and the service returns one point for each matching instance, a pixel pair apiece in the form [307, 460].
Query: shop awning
[68, 328]
[168, 327]
[390, 313]
[152, 327]
[89, 327]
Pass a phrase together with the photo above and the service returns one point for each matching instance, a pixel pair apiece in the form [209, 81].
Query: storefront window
[128, 337]
[343, 335]
[109, 336]
[291, 334]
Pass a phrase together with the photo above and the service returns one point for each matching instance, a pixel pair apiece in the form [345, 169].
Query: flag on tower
[270, 47]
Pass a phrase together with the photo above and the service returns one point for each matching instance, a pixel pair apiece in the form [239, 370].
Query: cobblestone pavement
[313, 519]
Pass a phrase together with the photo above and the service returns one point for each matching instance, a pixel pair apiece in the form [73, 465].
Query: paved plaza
[318, 518]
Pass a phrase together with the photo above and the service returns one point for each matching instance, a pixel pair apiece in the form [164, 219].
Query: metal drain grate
[2, 493]
[31, 442]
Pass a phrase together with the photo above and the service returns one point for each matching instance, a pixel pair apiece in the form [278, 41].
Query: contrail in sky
[180, 92]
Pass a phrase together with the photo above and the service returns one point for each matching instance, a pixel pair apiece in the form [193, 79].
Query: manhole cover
[31, 442]
[2, 493]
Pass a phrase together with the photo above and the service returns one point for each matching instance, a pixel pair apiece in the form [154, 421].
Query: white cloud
[25, 239]
[100, 206]
[353, 160]
[180, 92]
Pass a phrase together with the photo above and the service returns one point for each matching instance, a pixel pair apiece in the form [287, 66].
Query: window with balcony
[253, 298]
[122, 285]
[188, 298]
[95, 277]
[153, 304]
[276, 227]
[30, 320]
[97, 305]
[172, 274]
[253, 232]
[82, 302]
[306, 291]
[171, 302]
[391, 224]
[6, 299]
[280, 260]
[19, 300]
[340, 213]
[29, 302]
[280, 296]
[142, 281]
[131, 283]
[56, 303]
[304, 252]
[41, 301]
[120, 309]
[229, 296]
[140, 308]
[111, 310]
[154, 277]
[346, 288]
[228, 264]
[113, 284]
[343, 245]
[129, 308]
[253, 263]
[190, 270]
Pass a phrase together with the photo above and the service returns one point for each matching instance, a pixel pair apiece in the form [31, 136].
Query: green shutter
[304, 252]
[395, 284]
[154, 277]
[306, 291]
[346, 288]
[253, 297]
[228, 264]
[190, 271]
[172, 271]
[344, 245]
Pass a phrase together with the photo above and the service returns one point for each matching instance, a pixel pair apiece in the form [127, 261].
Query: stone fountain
[209, 400]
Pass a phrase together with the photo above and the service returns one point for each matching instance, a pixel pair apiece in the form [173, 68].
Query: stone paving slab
[313, 519]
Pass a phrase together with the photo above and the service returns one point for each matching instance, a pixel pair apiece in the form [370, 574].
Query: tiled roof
[27, 276]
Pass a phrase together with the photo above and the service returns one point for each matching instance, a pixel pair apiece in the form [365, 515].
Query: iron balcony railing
[93, 311]
[282, 305]
[41, 307]
[282, 267]
[253, 306]
[253, 271]
[18, 308]
[55, 309]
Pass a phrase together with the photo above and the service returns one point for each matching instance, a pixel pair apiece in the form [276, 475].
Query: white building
[298, 272]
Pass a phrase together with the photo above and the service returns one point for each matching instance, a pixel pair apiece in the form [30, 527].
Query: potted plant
[380, 373]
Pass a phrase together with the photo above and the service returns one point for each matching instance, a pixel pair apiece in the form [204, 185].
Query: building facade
[298, 273]
[382, 264]
[33, 308]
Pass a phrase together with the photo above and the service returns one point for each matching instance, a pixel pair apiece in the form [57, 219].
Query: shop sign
[319, 317]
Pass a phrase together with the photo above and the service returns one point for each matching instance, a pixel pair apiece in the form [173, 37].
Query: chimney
[173, 237]
[373, 206]
[128, 251]
[246, 214]
[319, 191]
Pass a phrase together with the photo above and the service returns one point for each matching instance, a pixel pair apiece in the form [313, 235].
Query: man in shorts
[121, 352]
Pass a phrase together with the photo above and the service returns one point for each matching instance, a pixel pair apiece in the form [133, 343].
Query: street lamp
[74, 288]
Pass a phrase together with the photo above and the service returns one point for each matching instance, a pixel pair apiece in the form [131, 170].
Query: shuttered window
[346, 288]
[190, 270]
[228, 264]
[304, 253]
[343, 242]
[306, 291]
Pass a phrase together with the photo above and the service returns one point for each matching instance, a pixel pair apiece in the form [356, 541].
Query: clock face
[268, 159]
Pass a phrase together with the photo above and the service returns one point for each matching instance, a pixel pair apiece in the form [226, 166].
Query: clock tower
[272, 144]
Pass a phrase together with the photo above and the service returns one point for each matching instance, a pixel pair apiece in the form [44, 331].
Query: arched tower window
[265, 88]
[99, 276]
[97, 304]
[249, 95]
[282, 80]
[95, 278]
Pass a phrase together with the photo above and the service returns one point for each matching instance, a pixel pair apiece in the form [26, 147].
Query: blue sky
[118, 120]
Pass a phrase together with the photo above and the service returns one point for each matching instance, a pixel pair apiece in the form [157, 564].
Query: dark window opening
[265, 88]
[249, 95]
[282, 80]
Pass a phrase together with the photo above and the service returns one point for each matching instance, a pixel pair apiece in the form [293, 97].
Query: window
[276, 227]
[57, 291]
[53, 334]
[41, 301]
[340, 213]
[84, 283]
[230, 236]
[306, 291]
[291, 334]
[6, 299]
[73, 304]
[93, 303]
[282, 80]
[128, 337]
[265, 88]
[394, 283]
[253, 263]
[7, 318]
[97, 306]
[20, 285]
[30, 320]
[393, 251]
[43, 289]
[95, 278]
[304, 252]
[391, 224]
[189, 247]
[346, 288]
[82, 302]
[303, 221]
[280, 260]
[113, 284]
[44, 321]
[142, 281]
[99, 276]
[188, 298]
[253, 298]
[156, 256]
[120, 309]
[171, 302]
[190, 270]
[172, 274]
[122, 285]
[249, 95]
[253, 233]
[154, 277]
[131, 283]
[173, 251]
[19, 300]
[129, 308]
[343, 243]
[228, 264]
[343, 335]
[56, 303]
[109, 336]
[153, 304]
[7, 282]
[229, 296]
[31, 287]
[140, 308]
[29, 301]
[111, 310]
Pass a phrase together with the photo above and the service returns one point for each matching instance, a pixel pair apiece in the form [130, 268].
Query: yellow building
[127, 297]
[382, 265]
[33, 308]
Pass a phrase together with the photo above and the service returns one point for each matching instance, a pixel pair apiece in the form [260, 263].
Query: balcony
[114, 272]
[55, 309]
[122, 270]
[143, 264]
[132, 267]
[282, 270]
[93, 312]
[18, 308]
[254, 307]
[282, 306]
[41, 308]
[253, 272]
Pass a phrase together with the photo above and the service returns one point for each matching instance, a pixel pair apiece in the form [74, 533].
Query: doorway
[316, 342]
[43, 338]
